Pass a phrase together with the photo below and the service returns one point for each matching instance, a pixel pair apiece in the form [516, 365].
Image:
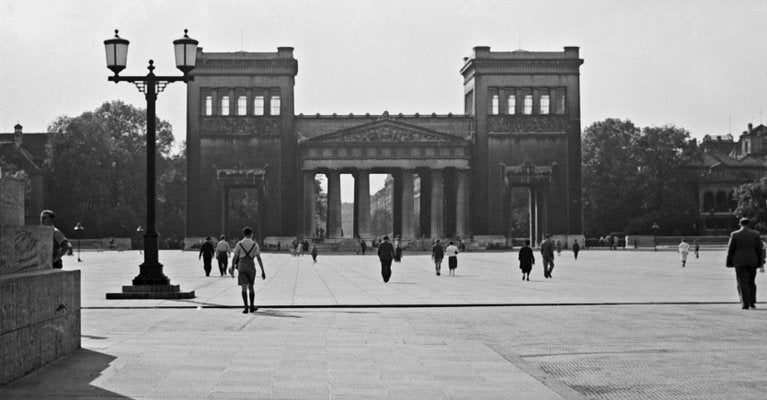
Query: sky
[699, 65]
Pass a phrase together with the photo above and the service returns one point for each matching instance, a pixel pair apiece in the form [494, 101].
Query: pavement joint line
[337, 306]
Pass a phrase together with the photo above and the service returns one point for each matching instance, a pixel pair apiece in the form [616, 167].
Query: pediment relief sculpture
[388, 132]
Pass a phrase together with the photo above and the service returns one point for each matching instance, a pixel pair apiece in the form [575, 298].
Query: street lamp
[79, 229]
[655, 228]
[185, 49]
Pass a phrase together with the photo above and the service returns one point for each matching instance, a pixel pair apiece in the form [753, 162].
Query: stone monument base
[39, 320]
[161, 292]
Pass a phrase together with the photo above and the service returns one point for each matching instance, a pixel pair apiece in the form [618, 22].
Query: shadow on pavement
[71, 376]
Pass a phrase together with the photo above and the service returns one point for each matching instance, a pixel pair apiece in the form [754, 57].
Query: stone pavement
[611, 325]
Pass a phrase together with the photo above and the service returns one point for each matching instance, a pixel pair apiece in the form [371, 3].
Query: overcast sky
[701, 65]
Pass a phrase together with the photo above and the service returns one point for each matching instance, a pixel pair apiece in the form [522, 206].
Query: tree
[97, 170]
[634, 177]
[752, 203]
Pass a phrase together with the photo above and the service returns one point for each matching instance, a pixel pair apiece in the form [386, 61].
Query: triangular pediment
[388, 131]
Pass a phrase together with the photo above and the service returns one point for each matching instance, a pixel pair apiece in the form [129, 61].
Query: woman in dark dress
[526, 260]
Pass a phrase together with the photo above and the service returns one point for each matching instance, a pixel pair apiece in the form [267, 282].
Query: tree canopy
[97, 166]
[633, 178]
[752, 203]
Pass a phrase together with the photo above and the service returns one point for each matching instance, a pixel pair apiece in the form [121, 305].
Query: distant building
[21, 151]
[724, 165]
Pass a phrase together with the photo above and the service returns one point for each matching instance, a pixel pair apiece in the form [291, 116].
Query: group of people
[527, 258]
[745, 253]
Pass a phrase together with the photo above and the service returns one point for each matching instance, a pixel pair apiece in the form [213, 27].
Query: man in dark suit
[386, 255]
[547, 253]
[744, 253]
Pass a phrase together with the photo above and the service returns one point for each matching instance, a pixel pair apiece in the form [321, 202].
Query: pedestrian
[60, 243]
[206, 253]
[745, 252]
[452, 257]
[547, 253]
[526, 260]
[385, 255]
[576, 248]
[363, 246]
[314, 252]
[696, 248]
[559, 247]
[222, 254]
[245, 251]
[684, 248]
[397, 251]
[601, 241]
[305, 246]
[437, 253]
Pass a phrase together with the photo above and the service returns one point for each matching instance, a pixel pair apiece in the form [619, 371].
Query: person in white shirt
[222, 254]
[684, 248]
[452, 257]
[245, 251]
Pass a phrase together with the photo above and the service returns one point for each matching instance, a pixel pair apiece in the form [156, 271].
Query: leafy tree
[97, 166]
[634, 177]
[752, 203]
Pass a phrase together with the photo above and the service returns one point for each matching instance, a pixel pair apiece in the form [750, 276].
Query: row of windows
[260, 104]
[513, 101]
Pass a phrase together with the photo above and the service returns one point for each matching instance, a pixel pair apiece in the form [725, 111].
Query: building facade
[21, 151]
[520, 128]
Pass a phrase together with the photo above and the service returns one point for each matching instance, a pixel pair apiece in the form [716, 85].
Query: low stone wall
[39, 320]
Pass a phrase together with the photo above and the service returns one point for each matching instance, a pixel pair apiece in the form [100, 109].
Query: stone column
[224, 210]
[462, 204]
[408, 224]
[533, 217]
[437, 205]
[334, 205]
[362, 203]
[309, 203]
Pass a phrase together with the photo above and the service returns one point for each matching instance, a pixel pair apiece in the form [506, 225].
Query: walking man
[745, 254]
[526, 260]
[385, 255]
[60, 242]
[576, 248]
[437, 253]
[547, 253]
[206, 253]
[222, 254]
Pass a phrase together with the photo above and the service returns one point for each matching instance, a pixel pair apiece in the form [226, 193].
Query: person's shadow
[70, 376]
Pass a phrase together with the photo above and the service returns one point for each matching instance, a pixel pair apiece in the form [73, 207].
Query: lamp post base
[151, 283]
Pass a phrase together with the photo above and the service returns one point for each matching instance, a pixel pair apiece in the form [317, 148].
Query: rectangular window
[528, 104]
[208, 105]
[258, 105]
[274, 105]
[512, 108]
[225, 105]
[560, 102]
[544, 104]
[495, 104]
[242, 105]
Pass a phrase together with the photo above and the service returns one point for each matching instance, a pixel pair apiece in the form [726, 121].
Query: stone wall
[39, 306]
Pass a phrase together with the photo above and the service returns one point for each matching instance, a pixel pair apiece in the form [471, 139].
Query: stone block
[11, 202]
[25, 249]
[39, 320]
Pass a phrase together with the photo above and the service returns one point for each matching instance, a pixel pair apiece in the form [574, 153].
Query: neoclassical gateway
[252, 161]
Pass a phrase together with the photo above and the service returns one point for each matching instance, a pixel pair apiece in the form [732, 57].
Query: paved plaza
[612, 325]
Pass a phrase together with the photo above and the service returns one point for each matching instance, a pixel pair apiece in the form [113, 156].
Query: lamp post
[79, 229]
[655, 228]
[140, 231]
[150, 272]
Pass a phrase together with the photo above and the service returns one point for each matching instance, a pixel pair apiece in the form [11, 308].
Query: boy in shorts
[246, 250]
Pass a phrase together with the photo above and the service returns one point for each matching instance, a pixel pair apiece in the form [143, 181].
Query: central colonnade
[436, 203]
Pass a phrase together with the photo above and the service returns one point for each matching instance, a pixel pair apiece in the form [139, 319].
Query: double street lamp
[79, 230]
[185, 49]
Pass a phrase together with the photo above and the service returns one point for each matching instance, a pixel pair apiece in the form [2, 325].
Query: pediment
[388, 132]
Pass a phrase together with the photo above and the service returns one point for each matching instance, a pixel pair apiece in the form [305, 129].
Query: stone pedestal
[39, 306]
